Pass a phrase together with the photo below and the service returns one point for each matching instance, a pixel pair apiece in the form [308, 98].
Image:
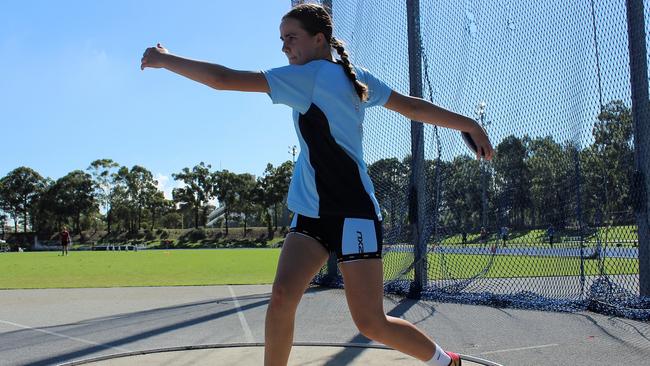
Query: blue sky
[71, 88]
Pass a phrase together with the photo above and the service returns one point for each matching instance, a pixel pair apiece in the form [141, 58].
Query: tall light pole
[480, 118]
[293, 150]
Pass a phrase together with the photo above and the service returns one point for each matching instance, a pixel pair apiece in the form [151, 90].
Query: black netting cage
[559, 218]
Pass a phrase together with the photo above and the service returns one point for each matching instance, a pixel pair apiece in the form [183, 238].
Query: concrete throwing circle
[243, 354]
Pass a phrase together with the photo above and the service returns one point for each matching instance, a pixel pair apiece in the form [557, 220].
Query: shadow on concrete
[128, 320]
[349, 354]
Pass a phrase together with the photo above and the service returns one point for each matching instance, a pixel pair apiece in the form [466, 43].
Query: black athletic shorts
[349, 237]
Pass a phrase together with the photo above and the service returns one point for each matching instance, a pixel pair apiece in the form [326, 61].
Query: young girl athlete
[331, 195]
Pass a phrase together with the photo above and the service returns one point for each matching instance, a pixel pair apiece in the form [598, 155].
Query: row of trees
[117, 198]
[531, 182]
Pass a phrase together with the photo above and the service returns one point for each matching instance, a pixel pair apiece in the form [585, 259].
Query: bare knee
[284, 297]
[371, 326]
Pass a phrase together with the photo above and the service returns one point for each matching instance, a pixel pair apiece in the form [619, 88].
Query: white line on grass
[242, 319]
[64, 336]
[520, 349]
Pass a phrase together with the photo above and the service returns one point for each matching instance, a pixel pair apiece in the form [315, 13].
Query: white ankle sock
[440, 358]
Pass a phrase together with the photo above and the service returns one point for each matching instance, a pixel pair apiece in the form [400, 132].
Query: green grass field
[249, 266]
[510, 266]
[143, 268]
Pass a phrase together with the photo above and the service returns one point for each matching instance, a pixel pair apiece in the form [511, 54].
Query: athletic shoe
[455, 359]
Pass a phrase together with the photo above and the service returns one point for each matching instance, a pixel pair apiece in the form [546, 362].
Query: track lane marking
[520, 349]
[242, 318]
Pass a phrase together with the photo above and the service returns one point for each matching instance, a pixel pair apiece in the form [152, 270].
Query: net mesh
[550, 222]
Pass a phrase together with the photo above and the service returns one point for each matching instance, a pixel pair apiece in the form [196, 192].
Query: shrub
[148, 235]
[195, 235]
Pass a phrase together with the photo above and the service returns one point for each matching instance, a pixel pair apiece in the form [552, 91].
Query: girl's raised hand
[482, 141]
[153, 56]
[478, 141]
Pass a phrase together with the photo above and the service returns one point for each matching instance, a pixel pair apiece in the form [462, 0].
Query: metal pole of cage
[417, 182]
[641, 117]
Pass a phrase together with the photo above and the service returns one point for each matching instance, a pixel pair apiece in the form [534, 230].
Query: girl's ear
[320, 38]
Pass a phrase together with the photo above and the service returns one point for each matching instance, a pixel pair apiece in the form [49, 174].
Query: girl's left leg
[300, 259]
[364, 290]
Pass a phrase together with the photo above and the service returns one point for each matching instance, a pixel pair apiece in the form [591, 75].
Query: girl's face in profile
[299, 46]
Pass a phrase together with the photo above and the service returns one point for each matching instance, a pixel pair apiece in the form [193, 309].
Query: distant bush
[148, 235]
[193, 235]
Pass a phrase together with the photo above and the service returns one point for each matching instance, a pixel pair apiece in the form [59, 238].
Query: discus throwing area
[197, 323]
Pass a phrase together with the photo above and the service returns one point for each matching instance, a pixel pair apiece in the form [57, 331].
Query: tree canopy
[532, 182]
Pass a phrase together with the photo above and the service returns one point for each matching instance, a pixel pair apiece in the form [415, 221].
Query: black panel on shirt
[338, 182]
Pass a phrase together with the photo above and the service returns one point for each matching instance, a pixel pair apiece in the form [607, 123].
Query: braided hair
[315, 19]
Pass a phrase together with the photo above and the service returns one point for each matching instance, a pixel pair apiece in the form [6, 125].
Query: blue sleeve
[378, 91]
[292, 85]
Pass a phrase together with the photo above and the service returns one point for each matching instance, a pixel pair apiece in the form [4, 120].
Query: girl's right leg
[301, 258]
[364, 291]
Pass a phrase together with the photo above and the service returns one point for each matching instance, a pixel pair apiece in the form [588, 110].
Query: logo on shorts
[360, 241]
[358, 237]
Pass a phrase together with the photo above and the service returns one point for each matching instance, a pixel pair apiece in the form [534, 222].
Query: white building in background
[215, 215]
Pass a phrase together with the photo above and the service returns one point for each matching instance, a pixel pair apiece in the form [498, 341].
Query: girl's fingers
[144, 62]
[489, 153]
[148, 51]
[484, 151]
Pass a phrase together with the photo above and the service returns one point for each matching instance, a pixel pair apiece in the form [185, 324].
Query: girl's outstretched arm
[418, 109]
[212, 75]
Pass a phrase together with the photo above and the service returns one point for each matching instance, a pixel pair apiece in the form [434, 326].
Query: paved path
[57, 326]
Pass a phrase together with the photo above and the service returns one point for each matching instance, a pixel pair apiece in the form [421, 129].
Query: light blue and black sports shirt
[330, 176]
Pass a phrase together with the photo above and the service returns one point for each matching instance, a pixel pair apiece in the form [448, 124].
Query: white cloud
[166, 185]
